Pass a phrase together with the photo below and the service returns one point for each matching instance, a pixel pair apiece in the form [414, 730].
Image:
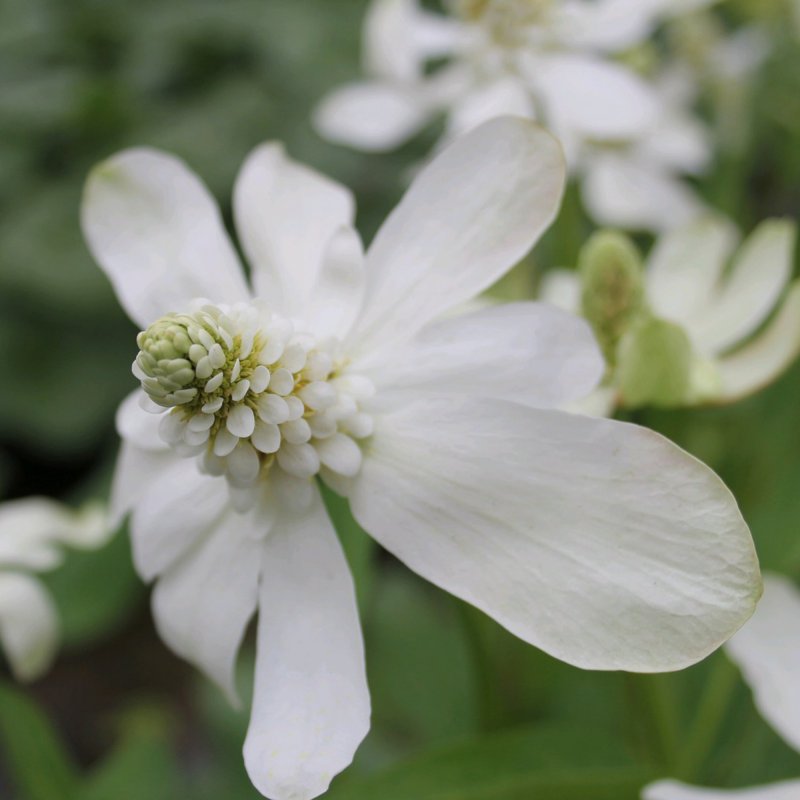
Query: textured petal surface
[530, 353]
[637, 195]
[597, 541]
[158, 234]
[372, 116]
[466, 220]
[593, 98]
[764, 359]
[311, 706]
[672, 790]
[203, 603]
[28, 625]
[767, 650]
[686, 265]
[286, 215]
[760, 272]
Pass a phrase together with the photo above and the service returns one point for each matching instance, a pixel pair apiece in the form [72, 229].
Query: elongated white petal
[767, 650]
[685, 266]
[530, 353]
[202, 605]
[286, 214]
[138, 426]
[593, 98]
[672, 790]
[135, 471]
[175, 512]
[158, 234]
[634, 194]
[28, 625]
[30, 532]
[680, 143]
[468, 217]
[561, 288]
[759, 363]
[760, 272]
[311, 706]
[372, 116]
[506, 95]
[606, 25]
[597, 541]
[338, 292]
[390, 51]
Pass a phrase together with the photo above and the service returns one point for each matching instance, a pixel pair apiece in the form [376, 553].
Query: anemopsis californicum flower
[627, 137]
[723, 316]
[597, 541]
[767, 651]
[33, 534]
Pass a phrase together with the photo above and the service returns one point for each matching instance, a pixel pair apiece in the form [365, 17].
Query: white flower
[738, 311]
[33, 532]
[630, 139]
[599, 542]
[767, 650]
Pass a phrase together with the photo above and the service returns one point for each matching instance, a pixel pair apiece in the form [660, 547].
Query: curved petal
[175, 512]
[135, 471]
[627, 193]
[529, 353]
[685, 266]
[672, 790]
[372, 116]
[561, 288]
[606, 25]
[591, 97]
[759, 363]
[767, 650]
[679, 143]
[311, 705]
[286, 215]
[597, 541]
[158, 234]
[28, 625]
[505, 95]
[468, 217]
[760, 272]
[203, 603]
[137, 426]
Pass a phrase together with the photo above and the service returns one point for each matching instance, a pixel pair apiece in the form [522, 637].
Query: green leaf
[533, 763]
[654, 364]
[35, 755]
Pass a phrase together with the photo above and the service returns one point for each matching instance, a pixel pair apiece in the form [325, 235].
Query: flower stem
[653, 701]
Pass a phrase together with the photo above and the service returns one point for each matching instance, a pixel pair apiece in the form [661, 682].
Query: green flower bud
[612, 288]
[655, 363]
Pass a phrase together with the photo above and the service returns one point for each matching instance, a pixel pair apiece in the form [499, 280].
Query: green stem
[653, 701]
[708, 720]
[485, 681]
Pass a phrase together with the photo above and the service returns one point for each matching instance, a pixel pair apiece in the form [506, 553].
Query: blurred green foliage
[462, 710]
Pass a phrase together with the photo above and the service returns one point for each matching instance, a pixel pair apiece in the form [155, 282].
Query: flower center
[506, 20]
[247, 394]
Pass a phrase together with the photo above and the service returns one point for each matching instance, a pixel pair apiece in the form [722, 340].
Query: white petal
[374, 117]
[468, 217]
[597, 541]
[340, 454]
[202, 605]
[634, 194]
[672, 790]
[30, 532]
[241, 421]
[767, 650]
[390, 51]
[175, 512]
[561, 288]
[506, 95]
[530, 353]
[763, 360]
[158, 234]
[606, 25]
[135, 471]
[593, 98]
[685, 266]
[680, 143]
[311, 706]
[760, 272]
[286, 215]
[28, 625]
[139, 427]
[338, 292]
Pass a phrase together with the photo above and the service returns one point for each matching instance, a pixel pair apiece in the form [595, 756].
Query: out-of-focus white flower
[632, 139]
[767, 651]
[33, 534]
[737, 311]
[597, 541]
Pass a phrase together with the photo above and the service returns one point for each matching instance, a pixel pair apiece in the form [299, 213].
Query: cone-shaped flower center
[245, 392]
